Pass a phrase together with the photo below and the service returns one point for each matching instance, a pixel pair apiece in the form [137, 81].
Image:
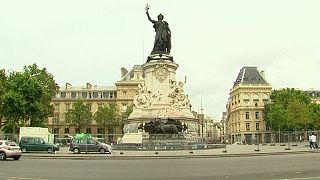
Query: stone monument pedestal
[159, 97]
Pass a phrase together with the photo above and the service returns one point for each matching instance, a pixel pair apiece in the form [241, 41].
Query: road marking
[25, 178]
[306, 178]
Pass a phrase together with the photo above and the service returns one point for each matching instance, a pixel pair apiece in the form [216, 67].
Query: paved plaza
[229, 151]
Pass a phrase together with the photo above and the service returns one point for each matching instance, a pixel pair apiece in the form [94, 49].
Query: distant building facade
[122, 94]
[244, 118]
[314, 95]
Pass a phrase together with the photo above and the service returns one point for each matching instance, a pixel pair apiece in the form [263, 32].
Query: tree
[314, 116]
[3, 80]
[28, 96]
[288, 109]
[107, 117]
[125, 115]
[80, 115]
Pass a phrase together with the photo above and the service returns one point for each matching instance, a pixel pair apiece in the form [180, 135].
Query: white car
[9, 149]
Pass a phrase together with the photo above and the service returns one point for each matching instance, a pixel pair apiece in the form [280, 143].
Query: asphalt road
[291, 167]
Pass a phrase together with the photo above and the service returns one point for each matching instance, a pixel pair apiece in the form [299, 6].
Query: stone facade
[122, 94]
[244, 119]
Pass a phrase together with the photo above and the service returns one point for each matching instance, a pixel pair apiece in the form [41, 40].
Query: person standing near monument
[162, 41]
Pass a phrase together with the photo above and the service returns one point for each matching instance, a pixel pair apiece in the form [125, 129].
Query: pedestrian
[313, 141]
[300, 138]
[310, 141]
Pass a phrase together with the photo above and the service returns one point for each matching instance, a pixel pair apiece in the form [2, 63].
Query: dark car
[9, 149]
[36, 144]
[89, 145]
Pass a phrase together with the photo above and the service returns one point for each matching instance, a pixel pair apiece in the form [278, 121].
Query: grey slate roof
[129, 75]
[250, 75]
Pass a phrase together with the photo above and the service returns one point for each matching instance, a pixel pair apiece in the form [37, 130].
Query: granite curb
[127, 155]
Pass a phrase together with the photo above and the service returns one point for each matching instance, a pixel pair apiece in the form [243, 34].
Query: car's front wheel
[3, 156]
[102, 151]
[16, 157]
[50, 150]
[24, 149]
[76, 150]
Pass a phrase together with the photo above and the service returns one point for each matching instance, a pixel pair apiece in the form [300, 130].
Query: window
[66, 119]
[73, 94]
[245, 97]
[56, 107]
[66, 130]
[247, 115]
[95, 94]
[90, 95]
[67, 107]
[88, 131]
[255, 97]
[89, 105]
[257, 126]
[257, 115]
[56, 118]
[106, 94]
[78, 130]
[265, 97]
[56, 131]
[63, 94]
[84, 94]
[111, 95]
[248, 126]
[124, 107]
[124, 94]
[267, 127]
[100, 133]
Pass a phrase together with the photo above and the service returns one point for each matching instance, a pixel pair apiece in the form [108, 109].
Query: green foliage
[80, 115]
[3, 81]
[290, 109]
[28, 95]
[314, 115]
[107, 116]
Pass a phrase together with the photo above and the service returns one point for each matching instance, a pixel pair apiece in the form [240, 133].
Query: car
[79, 145]
[37, 144]
[9, 149]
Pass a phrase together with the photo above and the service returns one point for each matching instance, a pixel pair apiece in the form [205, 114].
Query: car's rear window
[11, 143]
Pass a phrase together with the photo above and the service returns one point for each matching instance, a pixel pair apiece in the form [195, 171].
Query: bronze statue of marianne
[162, 41]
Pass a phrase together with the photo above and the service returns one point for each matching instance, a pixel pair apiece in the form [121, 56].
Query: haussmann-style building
[244, 118]
[122, 94]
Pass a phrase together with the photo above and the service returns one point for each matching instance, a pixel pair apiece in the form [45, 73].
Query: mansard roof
[313, 93]
[128, 75]
[250, 75]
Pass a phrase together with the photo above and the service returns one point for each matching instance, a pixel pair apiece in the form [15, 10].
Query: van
[36, 144]
[79, 145]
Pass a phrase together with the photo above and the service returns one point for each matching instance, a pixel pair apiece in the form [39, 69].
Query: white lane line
[305, 178]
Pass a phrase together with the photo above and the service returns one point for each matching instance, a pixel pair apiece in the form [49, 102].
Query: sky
[81, 41]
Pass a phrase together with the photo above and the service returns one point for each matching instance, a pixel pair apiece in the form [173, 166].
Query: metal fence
[292, 137]
[170, 142]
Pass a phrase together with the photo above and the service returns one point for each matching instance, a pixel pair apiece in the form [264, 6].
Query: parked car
[79, 145]
[9, 149]
[36, 144]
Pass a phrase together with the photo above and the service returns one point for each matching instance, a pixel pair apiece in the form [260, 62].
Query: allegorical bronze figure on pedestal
[162, 41]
